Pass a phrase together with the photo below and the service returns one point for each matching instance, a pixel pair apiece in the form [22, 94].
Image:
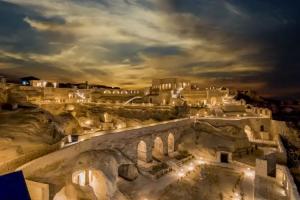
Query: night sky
[244, 44]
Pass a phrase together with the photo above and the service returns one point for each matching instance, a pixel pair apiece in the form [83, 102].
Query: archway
[158, 148]
[213, 101]
[94, 179]
[80, 177]
[142, 151]
[262, 128]
[171, 144]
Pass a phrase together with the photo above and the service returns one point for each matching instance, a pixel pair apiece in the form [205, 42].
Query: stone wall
[284, 177]
[279, 128]
[253, 122]
[282, 154]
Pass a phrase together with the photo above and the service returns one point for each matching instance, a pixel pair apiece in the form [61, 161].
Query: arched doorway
[171, 144]
[213, 101]
[142, 151]
[98, 183]
[158, 148]
[94, 179]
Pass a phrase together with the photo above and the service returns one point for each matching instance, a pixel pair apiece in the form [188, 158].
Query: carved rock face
[128, 172]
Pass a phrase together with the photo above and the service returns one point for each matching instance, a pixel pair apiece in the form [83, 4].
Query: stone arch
[107, 92]
[142, 151]
[171, 143]
[213, 101]
[98, 183]
[87, 178]
[79, 177]
[158, 147]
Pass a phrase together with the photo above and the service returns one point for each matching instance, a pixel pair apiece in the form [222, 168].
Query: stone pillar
[261, 168]
[165, 145]
[148, 154]
[87, 177]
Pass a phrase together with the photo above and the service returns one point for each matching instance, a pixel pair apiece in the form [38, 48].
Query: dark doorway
[49, 84]
[262, 128]
[224, 158]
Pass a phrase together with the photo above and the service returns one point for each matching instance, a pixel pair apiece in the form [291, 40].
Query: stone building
[176, 91]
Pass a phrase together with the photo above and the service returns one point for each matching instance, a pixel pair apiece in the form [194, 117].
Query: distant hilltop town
[168, 91]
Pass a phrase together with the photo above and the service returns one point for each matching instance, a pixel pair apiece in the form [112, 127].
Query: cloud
[120, 42]
[263, 36]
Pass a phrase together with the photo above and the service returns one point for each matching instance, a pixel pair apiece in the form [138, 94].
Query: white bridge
[133, 98]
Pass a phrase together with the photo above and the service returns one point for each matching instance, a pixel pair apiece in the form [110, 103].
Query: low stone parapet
[284, 178]
[11, 165]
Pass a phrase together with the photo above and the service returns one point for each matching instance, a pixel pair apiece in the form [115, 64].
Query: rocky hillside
[26, 130]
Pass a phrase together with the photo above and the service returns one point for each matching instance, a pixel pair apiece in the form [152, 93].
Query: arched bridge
[98, 161]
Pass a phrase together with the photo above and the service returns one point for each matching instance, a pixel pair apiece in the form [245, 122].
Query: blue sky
[243, 44]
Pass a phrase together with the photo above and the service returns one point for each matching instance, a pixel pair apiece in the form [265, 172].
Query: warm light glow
[237, 196]
[249, 173]
[44, 83]
[88, 122]
[180, 174]
[191, 167]
[283, 192]
[200, 161]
